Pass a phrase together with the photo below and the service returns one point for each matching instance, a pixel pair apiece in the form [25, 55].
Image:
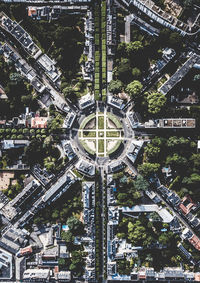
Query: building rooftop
[86, 101]
[69, 120]
[39, 122]
[86, 168]
[68, 149]
[8, 144]
[48, 65]
[164, 18]
[23, 67]
[148, 208]
[88, 189]
[180, 74]
[64, 275]
[59, 187]
[35, 274]
[115, 102]
[20, 34]
[20, 267]
[13, 239]
[116, 166]
[6, 265]
[133, 150]
[195, 241]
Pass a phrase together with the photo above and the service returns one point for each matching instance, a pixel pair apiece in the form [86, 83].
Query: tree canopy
[147, 169]
[152, 151]
[134, 89]
[156, 101]
[115, 86]
[140, 183]
[123, 71]
[135, 46]
[176, 161]
[70, 93]
[75, 225]
[136, 73]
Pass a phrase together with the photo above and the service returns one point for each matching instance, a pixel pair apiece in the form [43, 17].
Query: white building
[48, 65]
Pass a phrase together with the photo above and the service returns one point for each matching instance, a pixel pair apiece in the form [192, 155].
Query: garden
[101, 134]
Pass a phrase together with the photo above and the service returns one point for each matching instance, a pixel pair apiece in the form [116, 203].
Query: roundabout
[101, 134]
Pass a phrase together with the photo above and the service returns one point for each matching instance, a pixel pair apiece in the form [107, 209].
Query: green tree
[147, 169]
[77, 263]
[55, 214]
[177, 142]
[25, 131]
[13, 137]
[176, 161]
[141, 183]
[152, 151]
[50, 163]
[75, 225]
[156, 102]
[122, 198]
[175, 40]
[154, 216]
[115, 86]
[123, 71]
[48, 141]
[194, 179]
[67, 237]
[136, 233]
[70, 93]
[61, 262]
[157, 141]
[55, 124]
[166, 238]
[20, 137]
[133, 47]
[136, 73]
[134, 89]
[26, 99]
[188, 3]
[195, 158]
[16, 77]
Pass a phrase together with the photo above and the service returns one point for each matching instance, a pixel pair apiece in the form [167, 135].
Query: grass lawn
[84, 144]
[115, 147]
[101, 155]
[112, 134]
[77, 173]
[161, 81]
[100, 134]
[100, 145]
[101, 122]
[89, 134]
[86, 120]
[115, 121]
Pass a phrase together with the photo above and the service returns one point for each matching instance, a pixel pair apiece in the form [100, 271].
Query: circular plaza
[101, 134]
